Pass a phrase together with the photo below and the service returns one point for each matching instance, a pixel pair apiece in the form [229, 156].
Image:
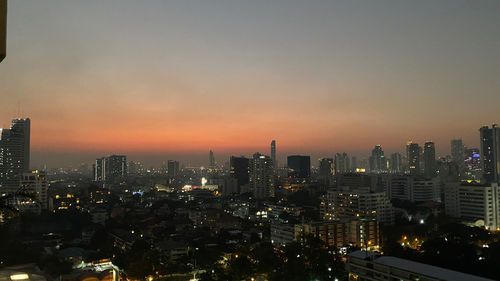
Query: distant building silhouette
[273, 155]
[429, 160]
[396, 163]
[490, 152]
[378, 163]
[240, 169]
[110, 170]
[172, 168]
[413, 156]
[299, 166]
[211, 159]
[14, 153]
[341, 163]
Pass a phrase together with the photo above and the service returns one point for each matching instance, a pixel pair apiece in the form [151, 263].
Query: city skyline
[321, 78]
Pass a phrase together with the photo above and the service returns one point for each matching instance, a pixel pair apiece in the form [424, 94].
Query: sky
[160, 80]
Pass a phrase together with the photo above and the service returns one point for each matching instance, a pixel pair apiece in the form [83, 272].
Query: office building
[110, 170]
[457, 150]
[341, 163]
[396, 163]
[429, 160]
[240, 169]
[477, 204]
[378, 163]
[3, 29]
[490, 152]
[360, 204]
[14, 154]
[326, 170]
[261, 176]
[273, 155]
[35, 184]
[211, 159]
[368, 265]
[172, 168]
[299, 166]
[414, 189]
[413, 156]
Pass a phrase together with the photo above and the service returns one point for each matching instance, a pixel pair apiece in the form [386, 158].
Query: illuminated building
[360, 204]
[261, 176]
[35, 183]
[63, 202]
[490, 152]
[429, 160]
[14, 154]
[413, 156]
[368, 265]
[299, 166]
[3, 28]
[110, 170]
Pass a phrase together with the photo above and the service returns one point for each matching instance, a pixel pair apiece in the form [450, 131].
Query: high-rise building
[35, 183]
[14, 153]
[326, 168]
[3, 28]
[474, 203]
[430, 165]
[261, 176]
[490, 152]
[110, 170]
[396, 163]
[211, 159]
[172, 168]
[378, 163]
[341, 163]
[457, 150]
[354, 164]
[299, 166]
[413, 156]
[240, 169]
[273, 155]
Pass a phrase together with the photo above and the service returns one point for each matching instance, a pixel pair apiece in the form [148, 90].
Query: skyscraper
[14, 152]
[341, 163]
[3, 28]
[273, 154]
[111, 170]
[378, 163]
[396, 163]
[172, 168]
[457, 150]
[429, 160]
[261, 176]
[413, 156]
[299, 166]
[490, 152]
[240, 169]
[211, 159]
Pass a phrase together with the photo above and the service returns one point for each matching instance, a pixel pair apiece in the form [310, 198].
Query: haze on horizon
[172, 79]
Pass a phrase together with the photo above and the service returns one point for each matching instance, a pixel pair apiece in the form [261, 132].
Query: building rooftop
[420, 268]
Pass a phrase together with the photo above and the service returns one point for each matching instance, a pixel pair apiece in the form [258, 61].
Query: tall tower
[413, 156]
[273, 155]
[261, 180]
[378, 162]
[211, 159]
[429, 160]
[490, 152]
[3, 28]
[14, 152]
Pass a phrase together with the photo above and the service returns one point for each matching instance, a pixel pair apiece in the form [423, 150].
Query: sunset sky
[159, 79]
